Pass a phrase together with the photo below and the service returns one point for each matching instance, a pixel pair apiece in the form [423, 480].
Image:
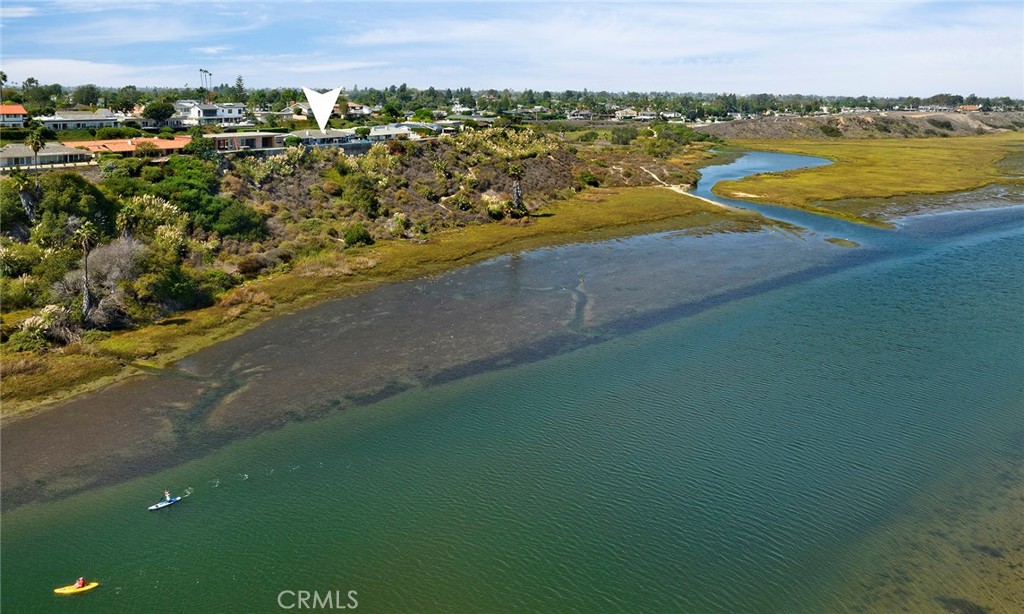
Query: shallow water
[740, 423]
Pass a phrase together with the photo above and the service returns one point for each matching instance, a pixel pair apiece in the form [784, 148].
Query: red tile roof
[129, 145]
[12, 109]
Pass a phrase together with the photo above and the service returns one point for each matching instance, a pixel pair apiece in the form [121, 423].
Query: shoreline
[135, 355]
[219, 410]
[698, 215]
[220, 395]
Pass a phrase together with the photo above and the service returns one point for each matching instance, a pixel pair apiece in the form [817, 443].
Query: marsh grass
[600, 214]
[864, 170]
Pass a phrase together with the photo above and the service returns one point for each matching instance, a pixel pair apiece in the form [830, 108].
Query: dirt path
[682, 190]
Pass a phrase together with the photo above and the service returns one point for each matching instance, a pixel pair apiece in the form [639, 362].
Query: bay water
[804, 447]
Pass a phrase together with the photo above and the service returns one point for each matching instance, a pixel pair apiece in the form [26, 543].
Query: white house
[229, 142]
[333, 138]
[18, 154]
[219, 114]
[624, 114]
[13, 116]
[392, 131]
[354, 108]
[79, 120]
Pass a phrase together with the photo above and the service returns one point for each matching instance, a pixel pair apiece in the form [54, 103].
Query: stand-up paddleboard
[164, 503]
[72, 589]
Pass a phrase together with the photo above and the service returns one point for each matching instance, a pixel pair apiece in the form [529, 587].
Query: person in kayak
[80, 583]
[167, 495]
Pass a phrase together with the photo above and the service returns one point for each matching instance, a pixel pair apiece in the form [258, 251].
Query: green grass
[595, 214]
[876, 169]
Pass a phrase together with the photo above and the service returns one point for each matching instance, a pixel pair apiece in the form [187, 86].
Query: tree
[146, 149]
[158, 111]
[392, 112]
[126, 99]
[26, 192]
[238, 92]
[35, 142]
[87, 94]
[423, 114]
[84, 234]
[516, 208]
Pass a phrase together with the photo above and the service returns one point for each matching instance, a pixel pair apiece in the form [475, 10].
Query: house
[18, 154]
[196, 113]
[128, 147]
[299, 110]
[332, 138]
[356, 109]
[217, 114]
[625, 114]
[230, 142]
[391, 131]
[580, 114]
[647, 116]
[13, 116]
[968, 108]
[79, 120]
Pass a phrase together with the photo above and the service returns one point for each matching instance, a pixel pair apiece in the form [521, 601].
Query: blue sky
[834, 48]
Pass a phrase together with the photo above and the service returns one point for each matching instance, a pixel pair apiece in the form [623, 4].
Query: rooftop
[129, 145]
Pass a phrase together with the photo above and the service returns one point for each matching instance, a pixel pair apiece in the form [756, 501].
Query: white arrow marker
[322, 105]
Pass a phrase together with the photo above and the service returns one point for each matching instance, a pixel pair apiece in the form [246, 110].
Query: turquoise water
[723, 461]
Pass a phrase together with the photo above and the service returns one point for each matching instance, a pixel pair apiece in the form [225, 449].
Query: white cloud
[214, 50]
[67, 71]
[17, 12]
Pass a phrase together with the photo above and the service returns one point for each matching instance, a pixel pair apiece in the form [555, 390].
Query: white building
[195, 113]
[13, 116]
[79, 120]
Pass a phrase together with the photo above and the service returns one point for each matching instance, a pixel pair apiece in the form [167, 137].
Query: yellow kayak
[72, 589]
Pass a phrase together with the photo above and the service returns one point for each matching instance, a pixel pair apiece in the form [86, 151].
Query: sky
[895, 48]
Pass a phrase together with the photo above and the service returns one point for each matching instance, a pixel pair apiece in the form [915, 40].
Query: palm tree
[24, 185]
[84, 234]
[518, 209]
[35, 142]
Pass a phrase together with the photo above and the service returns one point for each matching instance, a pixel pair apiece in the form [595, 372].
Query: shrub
[589, 136]
[152, 174]
[830, 131]
[239, 220]
[17, 259]
[356, 234]
[624, 135]
[587, 178]
[496, 211]
[20, 293]
[942, 124]
[27, 341]
[251, 265]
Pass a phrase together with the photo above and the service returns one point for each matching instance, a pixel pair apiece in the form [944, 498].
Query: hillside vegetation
[212, 245]
[875, 125]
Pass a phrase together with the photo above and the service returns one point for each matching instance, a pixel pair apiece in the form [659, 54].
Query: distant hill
[891, 124]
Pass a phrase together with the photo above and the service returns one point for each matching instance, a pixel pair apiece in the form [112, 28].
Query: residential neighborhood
[251, 123]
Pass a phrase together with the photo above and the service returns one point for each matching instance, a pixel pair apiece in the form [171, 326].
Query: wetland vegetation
[200, 249]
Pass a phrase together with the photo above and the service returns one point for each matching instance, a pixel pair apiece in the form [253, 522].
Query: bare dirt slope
[884, 124]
